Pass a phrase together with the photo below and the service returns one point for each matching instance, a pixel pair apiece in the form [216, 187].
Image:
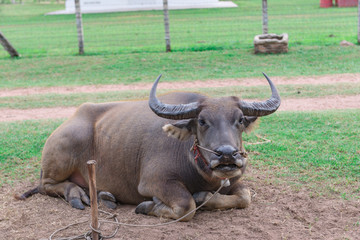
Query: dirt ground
[278, 211]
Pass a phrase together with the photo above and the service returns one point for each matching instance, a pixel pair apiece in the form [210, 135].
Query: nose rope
[208, 150]
[198, 155]
[196, 145]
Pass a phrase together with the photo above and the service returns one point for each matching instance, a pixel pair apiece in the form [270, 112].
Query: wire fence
[34, 33]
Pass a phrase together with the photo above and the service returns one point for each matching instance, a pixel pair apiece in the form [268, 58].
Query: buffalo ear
[250, 123]
[181, 130]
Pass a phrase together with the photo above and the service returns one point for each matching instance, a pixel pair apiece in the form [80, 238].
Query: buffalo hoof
[201, 197]
[145, 207]
[107, 199]
[76, 203]
[76, 196]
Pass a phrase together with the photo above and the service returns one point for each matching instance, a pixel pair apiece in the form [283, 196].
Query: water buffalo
[165, 163]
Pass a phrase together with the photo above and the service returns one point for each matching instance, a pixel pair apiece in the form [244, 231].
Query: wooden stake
[93, 199]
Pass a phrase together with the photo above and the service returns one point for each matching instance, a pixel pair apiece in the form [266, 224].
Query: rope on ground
[116, 222]
[64, 228]
[87, 234]
[170, 222]
[258, 143]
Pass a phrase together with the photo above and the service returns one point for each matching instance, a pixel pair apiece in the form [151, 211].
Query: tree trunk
[167, 25]
[8, 47]
[79, 27]
[265, 16]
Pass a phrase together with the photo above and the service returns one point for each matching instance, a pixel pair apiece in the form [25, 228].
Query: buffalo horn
[262, 108]
[170, 111]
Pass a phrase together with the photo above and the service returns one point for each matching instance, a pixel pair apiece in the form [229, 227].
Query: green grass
[21, 144]
[36, 34]
[258, 92]
[207, 44]
[318, 150]
[145, 67]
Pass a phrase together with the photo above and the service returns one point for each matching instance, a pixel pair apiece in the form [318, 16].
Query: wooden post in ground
[264, 17]
[8, 47]
[167, 25]
[93, 199]
[80, 31]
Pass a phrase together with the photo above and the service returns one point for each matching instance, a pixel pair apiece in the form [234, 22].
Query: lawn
[317, 149]
[206, 43]
[199, 29]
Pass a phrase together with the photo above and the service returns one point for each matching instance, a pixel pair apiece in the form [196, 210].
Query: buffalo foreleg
[238, 197]
[172, 201]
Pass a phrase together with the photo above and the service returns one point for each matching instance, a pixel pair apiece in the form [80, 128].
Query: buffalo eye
[241, 120]
[202, 122]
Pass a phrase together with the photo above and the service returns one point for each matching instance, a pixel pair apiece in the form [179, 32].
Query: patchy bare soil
[308, 104]
[334, 102]
[277, 212]
[315, 80]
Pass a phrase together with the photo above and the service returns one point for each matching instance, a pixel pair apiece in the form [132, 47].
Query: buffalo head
[217, 126]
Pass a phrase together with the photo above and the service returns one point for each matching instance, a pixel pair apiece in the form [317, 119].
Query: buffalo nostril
[235, 153]
[226, 151]
[218, 153]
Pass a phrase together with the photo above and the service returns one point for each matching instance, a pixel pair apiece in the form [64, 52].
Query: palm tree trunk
[80, 32]
[8, 47]
[167, 25]
[265, 17]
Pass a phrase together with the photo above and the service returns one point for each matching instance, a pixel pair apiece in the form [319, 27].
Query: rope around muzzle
[195, 148]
